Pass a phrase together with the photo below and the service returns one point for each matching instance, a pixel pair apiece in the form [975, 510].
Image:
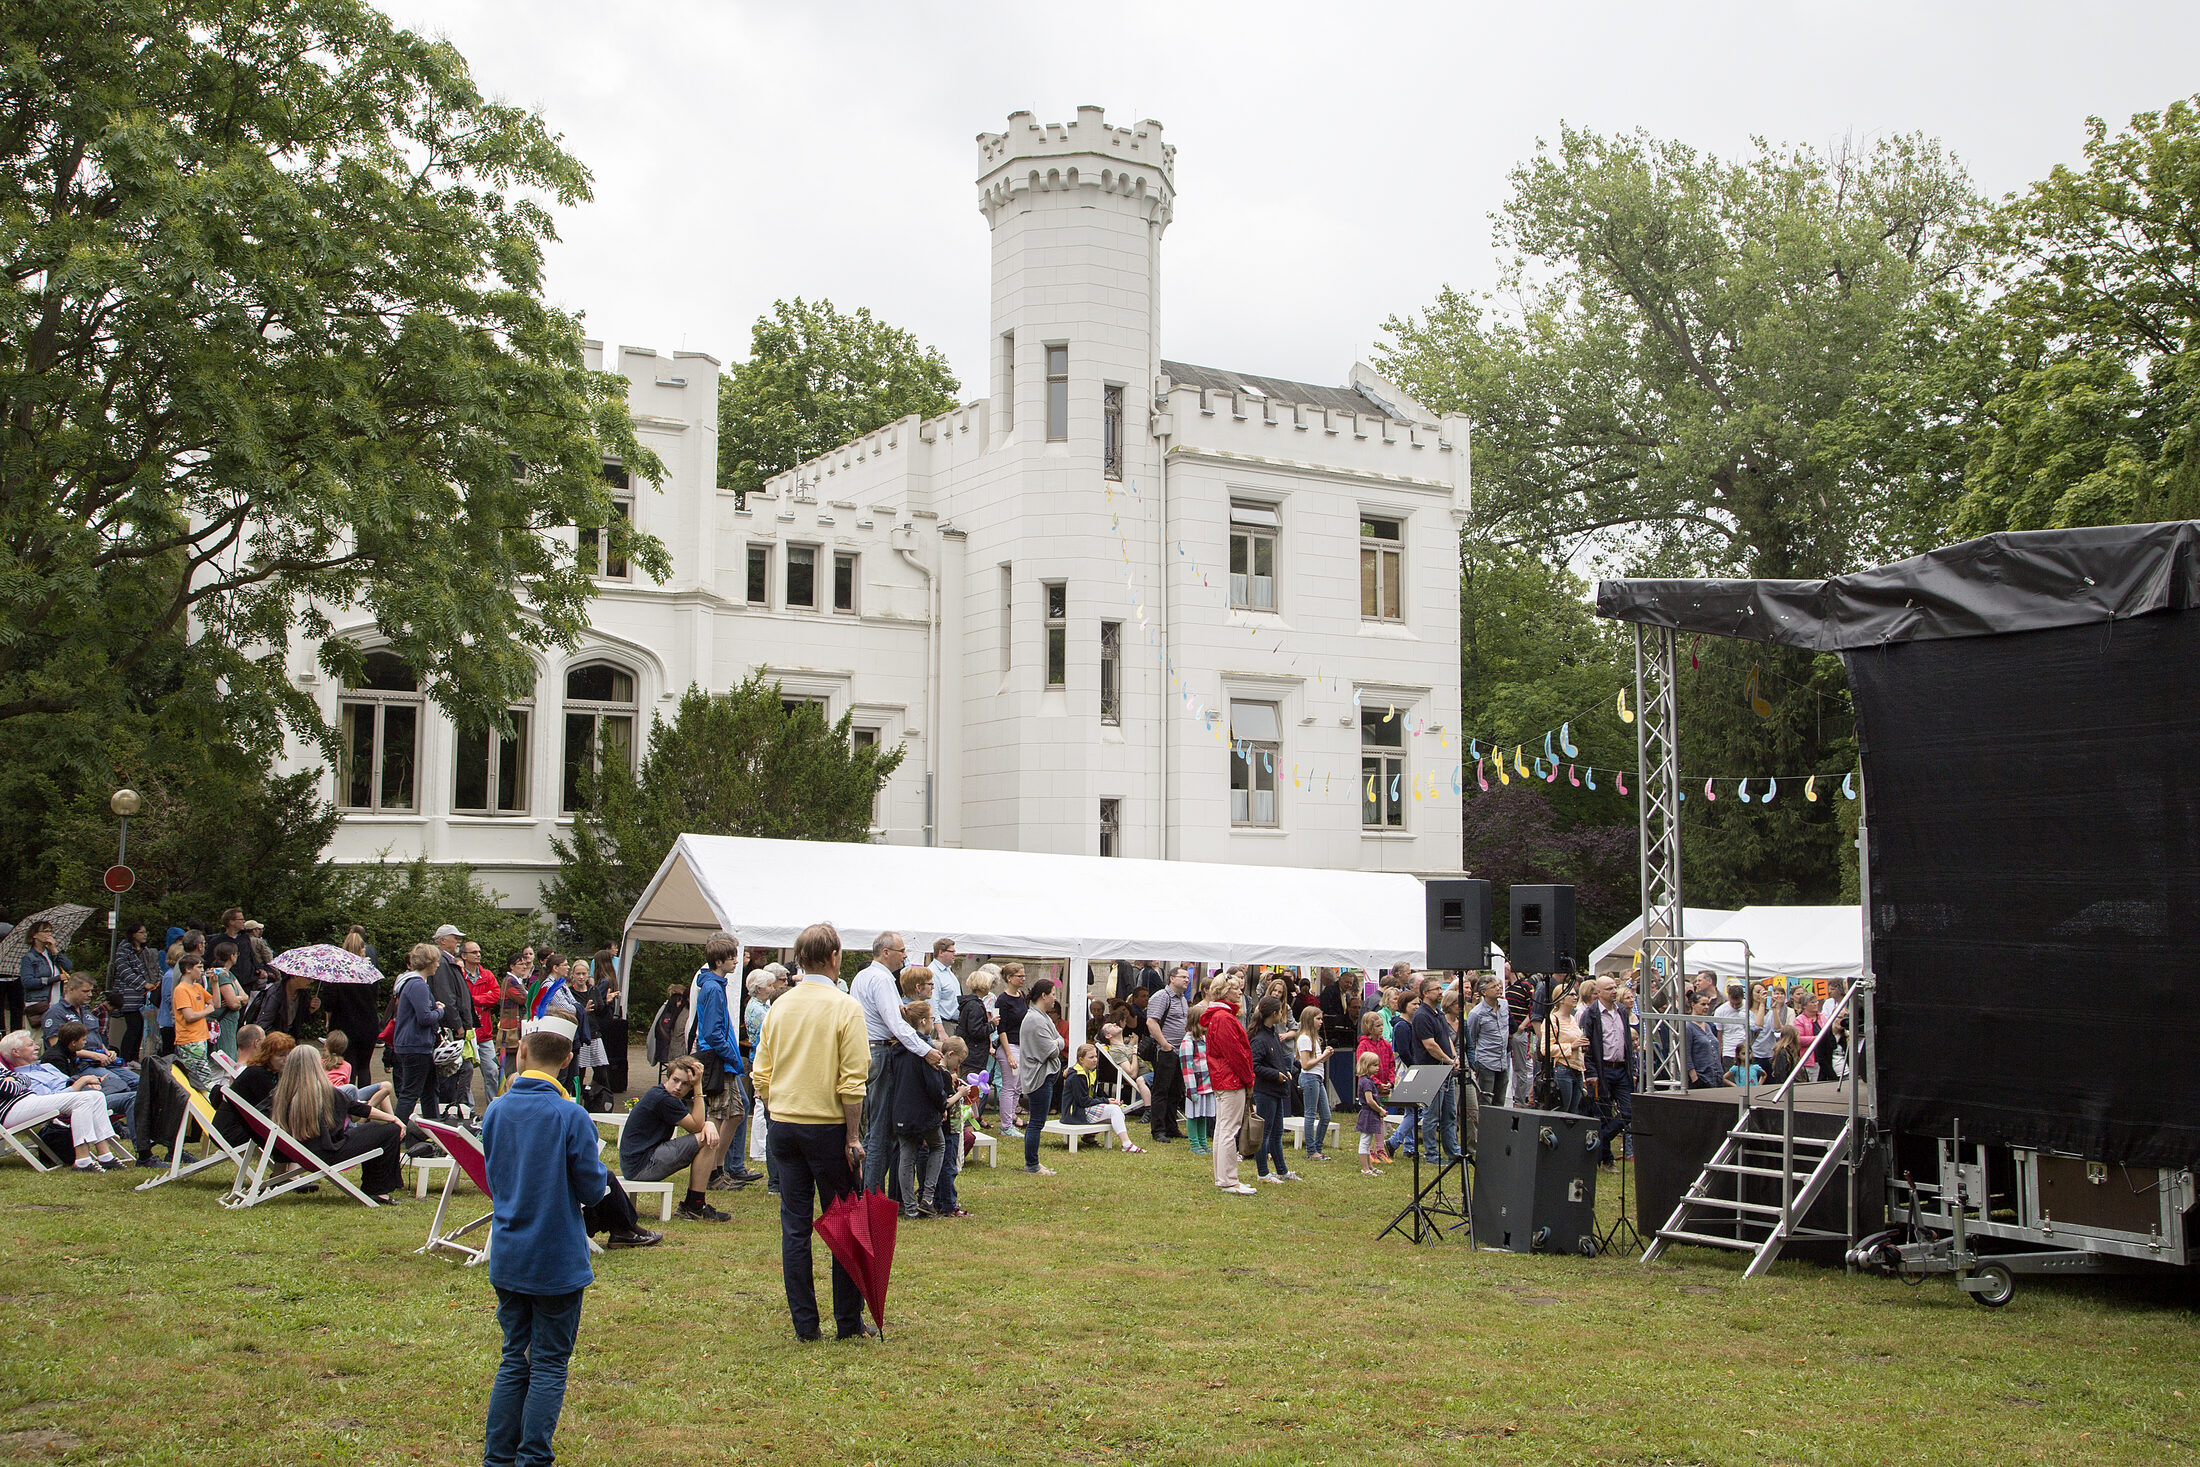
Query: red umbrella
[859, 1228]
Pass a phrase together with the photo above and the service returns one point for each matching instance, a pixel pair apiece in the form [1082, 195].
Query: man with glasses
[878, 991]
[946, 988]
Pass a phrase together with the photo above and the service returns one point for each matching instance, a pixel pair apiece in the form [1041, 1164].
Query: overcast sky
[1335, 165]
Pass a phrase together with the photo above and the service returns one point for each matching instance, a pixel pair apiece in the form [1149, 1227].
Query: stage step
[1708, 1240]
[1736, 1168]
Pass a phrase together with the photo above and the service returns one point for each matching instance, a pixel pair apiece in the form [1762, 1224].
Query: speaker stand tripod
[1622, 1234]
[1430, 1204]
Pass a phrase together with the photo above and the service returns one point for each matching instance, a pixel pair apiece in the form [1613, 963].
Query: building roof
[1343, 399]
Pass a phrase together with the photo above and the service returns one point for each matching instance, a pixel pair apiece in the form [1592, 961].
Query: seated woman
[31, 1091]
[1120, 1068]
[262, 1055]
[1080, 1105]
[310, 1111]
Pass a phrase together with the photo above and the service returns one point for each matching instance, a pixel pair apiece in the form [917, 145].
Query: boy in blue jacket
[718, 1046]
[544, 1177]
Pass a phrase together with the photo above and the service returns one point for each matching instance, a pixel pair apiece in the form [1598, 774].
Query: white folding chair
[273, 1142]
[466, 1156]
[225, 1064]
[198, 1115]
[37, 1153]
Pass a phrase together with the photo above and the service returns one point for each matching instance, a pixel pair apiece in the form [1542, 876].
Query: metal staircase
[1763, 1146]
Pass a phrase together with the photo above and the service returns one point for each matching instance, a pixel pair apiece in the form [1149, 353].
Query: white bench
[1075, 1134]
[662, 1190]
[424, 1170]
[991, 1146]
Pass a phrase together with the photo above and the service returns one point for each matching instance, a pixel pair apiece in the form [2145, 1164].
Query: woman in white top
[1313, 1082]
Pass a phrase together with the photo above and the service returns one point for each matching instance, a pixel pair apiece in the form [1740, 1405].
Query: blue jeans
[492, 1074]
[1271, 1143]
[944, 1198]
[413, 1078]
[1439, 1138]
[1569, 1087]
[1038, 1102]
[813, 1171]
[1314, 1104]
[737, 1150]
[530, 1389]
[878, 1129]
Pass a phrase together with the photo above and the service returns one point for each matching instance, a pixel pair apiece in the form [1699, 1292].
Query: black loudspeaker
[1535, 1182]
[1458, 922]
[1542, 929]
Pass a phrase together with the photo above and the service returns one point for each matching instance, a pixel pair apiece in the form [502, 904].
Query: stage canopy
[1801, 942]
[1031, 905]
[1616, 954]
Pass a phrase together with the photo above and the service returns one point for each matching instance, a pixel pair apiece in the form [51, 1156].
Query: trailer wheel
[2001, 1285]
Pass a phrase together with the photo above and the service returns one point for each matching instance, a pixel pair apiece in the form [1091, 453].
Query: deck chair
[275, 1142]
[198, 1114]
[230, 1068]
[465, 1153]
[38, 1153]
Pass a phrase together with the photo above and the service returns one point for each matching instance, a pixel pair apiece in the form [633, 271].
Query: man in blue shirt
[718, 1046]
[1489, 1042]
[544, 1174]
[946, 987]
[878, 990]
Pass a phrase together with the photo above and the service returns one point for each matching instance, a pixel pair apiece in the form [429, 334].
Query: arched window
[599, 723]
[378, 732]
[489, 776]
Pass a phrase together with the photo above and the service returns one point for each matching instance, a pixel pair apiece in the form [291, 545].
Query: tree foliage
[815, 378]
[1686, 334]
[731, 763]
[274, 341]
[2095, 417]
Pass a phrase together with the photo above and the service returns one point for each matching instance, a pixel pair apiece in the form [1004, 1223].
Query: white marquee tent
[1801, 942]
[1012, 902]
[1616, 954]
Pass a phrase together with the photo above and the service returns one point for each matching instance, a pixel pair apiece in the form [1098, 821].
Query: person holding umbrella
[811, 1070]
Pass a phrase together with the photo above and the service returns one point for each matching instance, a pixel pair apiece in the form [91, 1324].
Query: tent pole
[1080, 979]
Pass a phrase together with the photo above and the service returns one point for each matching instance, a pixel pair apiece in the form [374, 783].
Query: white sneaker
[1243, 1191]
[1293, 1177]
[1274, 1177]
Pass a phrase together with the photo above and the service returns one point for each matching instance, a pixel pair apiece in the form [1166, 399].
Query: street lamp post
[125, 804]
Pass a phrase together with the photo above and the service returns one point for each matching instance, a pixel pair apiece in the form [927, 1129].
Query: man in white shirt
[946, 988]
[1732, 1017]
[878, 990]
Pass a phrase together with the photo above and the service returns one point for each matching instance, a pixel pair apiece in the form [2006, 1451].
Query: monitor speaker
[1458, 922]
[1542, 930]
[1535, 1181]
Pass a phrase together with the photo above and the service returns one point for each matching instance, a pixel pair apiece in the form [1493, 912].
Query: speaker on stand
[1542, 929]
[1459, 922]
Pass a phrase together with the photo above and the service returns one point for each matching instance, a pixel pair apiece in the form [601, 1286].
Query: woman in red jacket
[1230, 1071]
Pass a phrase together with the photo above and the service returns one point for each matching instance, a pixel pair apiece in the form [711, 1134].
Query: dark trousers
[1168, 1091]
[380, 1176]
[539, 1330]
[1489, 1084]
[1039, 1101]
[878, 1124]
[167, 1039]
[413, 1078]
[612, 1213]
[813, 1173]
[1615, 1103]
[132, 1044]
[11, 1006]
[1271, 1144]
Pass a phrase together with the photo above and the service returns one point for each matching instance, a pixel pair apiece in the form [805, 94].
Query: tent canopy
[1802, 942]
[1617, 952]
[1030, 905]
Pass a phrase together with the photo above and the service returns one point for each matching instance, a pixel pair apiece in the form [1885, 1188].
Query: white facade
[963, 571]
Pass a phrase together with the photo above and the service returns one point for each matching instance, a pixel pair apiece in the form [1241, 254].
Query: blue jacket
[416, 1015]
[543, 1169]
[714, 1031]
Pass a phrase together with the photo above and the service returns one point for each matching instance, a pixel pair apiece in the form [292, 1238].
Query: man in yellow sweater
[810, 1070]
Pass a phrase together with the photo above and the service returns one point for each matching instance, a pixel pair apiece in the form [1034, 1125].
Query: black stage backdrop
[2034, 808]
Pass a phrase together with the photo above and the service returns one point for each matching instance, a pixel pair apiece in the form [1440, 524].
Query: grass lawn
[1123, 1311]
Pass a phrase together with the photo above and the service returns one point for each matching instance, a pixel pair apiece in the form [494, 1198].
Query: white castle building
[1119, 605]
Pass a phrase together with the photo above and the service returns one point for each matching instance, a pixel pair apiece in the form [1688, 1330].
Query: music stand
[1419, 1086]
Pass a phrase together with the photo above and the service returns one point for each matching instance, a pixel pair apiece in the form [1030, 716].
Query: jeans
[413, 1075]
[813, 1171]
[1523, 1069]
[1011, 1091]
[492, 1075]
[1271, 1143]
[1041, 1101]
[878, 1128]
[917, 1168]
[1615, 1102]
[1568, 1080]
[530, 1389]
[1314, 1104]
[1168, 1091]
[737, 1148]
[944, 1197]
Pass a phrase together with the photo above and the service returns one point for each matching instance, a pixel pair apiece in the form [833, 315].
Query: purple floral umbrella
[326, 963]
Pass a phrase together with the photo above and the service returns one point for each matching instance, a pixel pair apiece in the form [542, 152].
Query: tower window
[1057, 394]
[1111, 673]
[1111, 827]
[1008, 625]
[802, 577]
[844, 582]
[1008, 379]
[1057, 628]
[760, 575]
[596, 554]
[1111, 432]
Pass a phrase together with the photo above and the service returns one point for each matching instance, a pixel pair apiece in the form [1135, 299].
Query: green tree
[273, 342]
[731, 763]
[401, 903]
[2096, 419]
[1688, 331]
[816, 378]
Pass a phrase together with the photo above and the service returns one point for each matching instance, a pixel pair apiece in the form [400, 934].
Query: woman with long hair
[1313, 1073]
[310, 1111]
[1039, 1050]
[1272, 1071]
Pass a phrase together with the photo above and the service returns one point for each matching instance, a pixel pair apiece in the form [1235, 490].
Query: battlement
[1130, 162]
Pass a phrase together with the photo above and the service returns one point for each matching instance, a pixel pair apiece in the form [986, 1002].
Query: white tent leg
[1080, 979]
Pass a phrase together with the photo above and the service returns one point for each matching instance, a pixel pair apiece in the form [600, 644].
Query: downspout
[1161, 676]
[904, 537]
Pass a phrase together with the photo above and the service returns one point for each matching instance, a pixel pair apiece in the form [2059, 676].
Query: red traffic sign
[119, 879]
